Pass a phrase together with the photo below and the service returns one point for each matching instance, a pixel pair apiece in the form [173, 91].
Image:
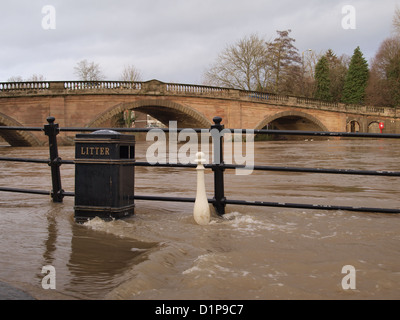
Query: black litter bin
[104, 175]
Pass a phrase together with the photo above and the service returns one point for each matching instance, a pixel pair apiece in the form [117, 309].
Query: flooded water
[250, 253]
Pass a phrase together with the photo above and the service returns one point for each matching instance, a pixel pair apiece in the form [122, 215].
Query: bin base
[85, 213]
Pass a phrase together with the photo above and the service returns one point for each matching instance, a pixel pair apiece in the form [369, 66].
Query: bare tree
[88, 71]
[309, 60]
[15, 79]
[36, 77]
[242, 65]
[255, 64]
[396, 21]
[131, 73]
[32, 78]
[384, 83]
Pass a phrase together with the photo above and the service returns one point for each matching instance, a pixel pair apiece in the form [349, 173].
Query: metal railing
[219, 201]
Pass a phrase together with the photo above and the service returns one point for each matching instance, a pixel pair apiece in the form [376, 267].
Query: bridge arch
[16, 138]
[373, 127]
[292, 120]
[353, 126]
[162, 110]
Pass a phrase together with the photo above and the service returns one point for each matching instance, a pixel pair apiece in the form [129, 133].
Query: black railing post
[52, 130]
[218, 166]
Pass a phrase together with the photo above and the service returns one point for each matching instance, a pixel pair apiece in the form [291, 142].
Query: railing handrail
[200, 130]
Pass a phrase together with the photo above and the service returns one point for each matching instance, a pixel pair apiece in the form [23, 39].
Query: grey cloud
[173, 40]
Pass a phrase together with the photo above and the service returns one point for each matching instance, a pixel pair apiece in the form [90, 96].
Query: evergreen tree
[356, 79]
[322, 79]
[337, 73]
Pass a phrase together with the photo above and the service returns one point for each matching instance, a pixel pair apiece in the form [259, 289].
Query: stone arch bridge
[93, 104]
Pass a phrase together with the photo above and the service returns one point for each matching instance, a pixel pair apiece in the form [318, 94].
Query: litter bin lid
[105, 132]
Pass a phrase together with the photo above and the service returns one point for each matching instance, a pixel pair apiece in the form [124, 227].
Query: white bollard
[201, 211]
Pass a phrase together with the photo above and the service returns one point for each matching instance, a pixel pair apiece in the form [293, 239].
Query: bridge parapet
[99, 85]
[24, 86]
[47, 87]
[197, 90]
[310, 101]
[155, 87]
[263, 96]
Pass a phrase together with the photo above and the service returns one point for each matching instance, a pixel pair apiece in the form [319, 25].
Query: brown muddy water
[250, 253]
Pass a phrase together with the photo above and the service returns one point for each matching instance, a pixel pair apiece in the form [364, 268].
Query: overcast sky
[173, 40]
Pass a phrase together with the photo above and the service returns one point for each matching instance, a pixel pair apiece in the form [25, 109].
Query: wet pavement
[8, 292]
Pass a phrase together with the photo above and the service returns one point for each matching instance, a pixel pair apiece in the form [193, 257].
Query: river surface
[250, 253]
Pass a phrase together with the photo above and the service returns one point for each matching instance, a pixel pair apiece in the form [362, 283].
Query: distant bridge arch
[353, 126]
[16, 138]
[292, 120]
[162, 110]
[373, 127]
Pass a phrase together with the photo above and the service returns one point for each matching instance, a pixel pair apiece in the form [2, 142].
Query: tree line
[277, 66]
